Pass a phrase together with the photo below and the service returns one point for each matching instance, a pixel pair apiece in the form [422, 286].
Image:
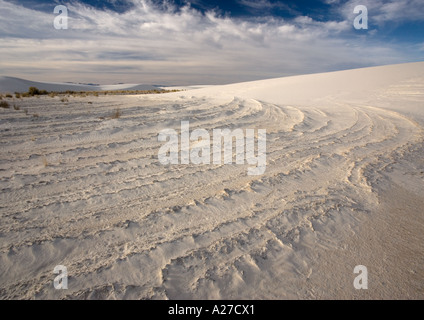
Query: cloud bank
[165, 44]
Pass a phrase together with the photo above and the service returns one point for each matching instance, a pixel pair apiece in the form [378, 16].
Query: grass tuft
[45, 162]
[117, 114]
[4, 104]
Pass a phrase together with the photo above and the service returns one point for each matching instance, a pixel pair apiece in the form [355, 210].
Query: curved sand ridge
[90, 194]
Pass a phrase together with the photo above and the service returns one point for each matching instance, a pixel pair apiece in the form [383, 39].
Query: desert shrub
[33, 91]
[117, 114]
[9, 95]
[64, 100]
[4, 104]
[16, 107]
[17, 95]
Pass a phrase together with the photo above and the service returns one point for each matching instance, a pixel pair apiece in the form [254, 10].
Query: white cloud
[263, 4]
[166, 45]
[383, 12]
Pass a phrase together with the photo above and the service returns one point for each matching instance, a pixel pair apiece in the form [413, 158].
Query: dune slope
[87, 191]
[12, 84]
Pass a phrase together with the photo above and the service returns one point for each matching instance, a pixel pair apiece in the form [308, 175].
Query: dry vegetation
[4, 104]
[117, 114]
[33, 91]
[45, 162]
[63, 96]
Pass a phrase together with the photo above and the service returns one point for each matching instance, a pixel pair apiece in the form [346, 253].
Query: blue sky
[203, 42]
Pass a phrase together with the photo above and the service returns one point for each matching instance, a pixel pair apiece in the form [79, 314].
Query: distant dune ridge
[11, 85]
[343, 187]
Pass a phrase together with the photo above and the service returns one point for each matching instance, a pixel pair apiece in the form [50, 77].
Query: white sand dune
[12, 84]
[342, 187]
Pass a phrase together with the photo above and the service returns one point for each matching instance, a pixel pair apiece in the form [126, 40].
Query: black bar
[209, 309]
